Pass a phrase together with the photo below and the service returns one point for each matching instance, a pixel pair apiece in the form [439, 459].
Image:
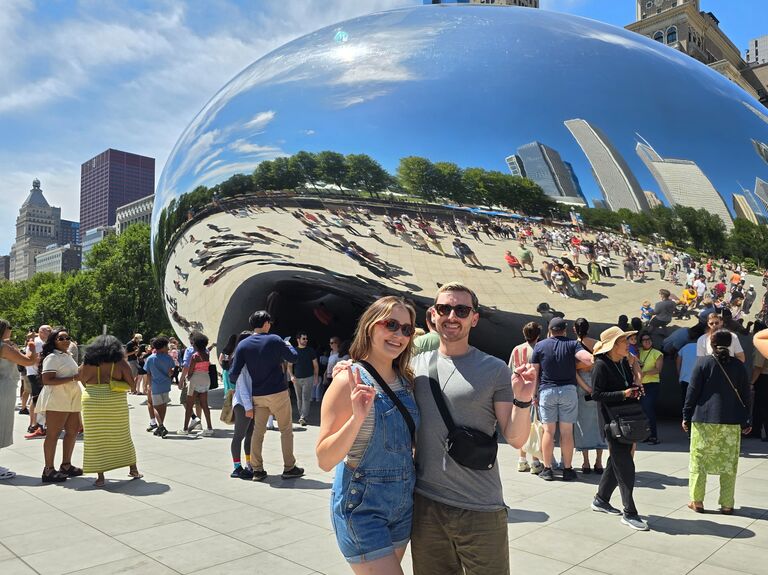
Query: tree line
[118, 289]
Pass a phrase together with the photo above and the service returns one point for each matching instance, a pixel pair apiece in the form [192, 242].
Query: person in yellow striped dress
[107, 431]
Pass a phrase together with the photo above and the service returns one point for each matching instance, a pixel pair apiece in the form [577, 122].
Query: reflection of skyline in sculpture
[543, 165]
[761, 191]
[743, 209]
[616, 180]
[761, 148]
[683, 183]
[653, 199]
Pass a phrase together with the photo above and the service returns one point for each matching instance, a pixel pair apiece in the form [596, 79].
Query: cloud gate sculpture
[276, 195]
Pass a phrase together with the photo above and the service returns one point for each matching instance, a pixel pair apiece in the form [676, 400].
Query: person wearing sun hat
[615, 383]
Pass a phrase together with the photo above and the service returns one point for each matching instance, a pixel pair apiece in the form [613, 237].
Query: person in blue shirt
[159, 367]
[263, 354]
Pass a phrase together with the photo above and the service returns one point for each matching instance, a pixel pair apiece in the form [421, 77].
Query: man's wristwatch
[522, 404]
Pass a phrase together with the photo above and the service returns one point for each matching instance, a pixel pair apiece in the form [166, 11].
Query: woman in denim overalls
[366, 437]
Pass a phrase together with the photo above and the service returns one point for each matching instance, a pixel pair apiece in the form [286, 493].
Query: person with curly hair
[60, 402]
[108, 443]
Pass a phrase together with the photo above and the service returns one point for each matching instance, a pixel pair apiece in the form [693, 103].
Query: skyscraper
[69, 233]
[761, 191]
[743, 210]
[576, 184]
[617, 182]
[112, 179]
[544, 166]
[515, 165]
[653, 199]
[683, 183]
[37, 227]
[762, 149]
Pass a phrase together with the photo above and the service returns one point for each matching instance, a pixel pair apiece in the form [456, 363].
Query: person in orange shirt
[735, 278]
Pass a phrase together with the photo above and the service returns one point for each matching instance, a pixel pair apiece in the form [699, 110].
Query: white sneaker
[207, 433]
[196, 425]
[182, 432]
[635, 522]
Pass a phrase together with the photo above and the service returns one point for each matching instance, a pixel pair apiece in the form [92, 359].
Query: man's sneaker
[24, 411]
[292, 473]
[163, 431]
[302, 422]
[259, 475]
[243, 473]
[546, 474]
[39, 432]
[635, 522]
[183, 432]
[152, 427]
[602, 507]
[523, 467]
[207, 433]
[157, 431]
[569, 474]
[196, 424]
[537, 467]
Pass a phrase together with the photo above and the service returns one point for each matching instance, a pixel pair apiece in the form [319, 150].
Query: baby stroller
[683, 311]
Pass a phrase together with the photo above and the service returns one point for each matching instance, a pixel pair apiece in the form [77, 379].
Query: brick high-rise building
[110, 180]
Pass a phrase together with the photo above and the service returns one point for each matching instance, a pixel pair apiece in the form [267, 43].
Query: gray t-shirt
[471, 384]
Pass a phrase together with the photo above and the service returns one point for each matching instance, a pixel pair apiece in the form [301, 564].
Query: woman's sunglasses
[63, 338]
[393, 325]
[461, 311]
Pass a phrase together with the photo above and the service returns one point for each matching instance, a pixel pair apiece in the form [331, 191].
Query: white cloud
[103, 75]
[260, 121]
[245, 147]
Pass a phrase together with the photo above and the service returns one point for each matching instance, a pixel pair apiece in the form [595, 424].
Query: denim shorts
[559, 404]
[372, 512]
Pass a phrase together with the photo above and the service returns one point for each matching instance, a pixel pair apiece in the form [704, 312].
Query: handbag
[535, 437]
[227, 415]
[114, 385]
[213, 374]
[628, 423]
[467, 446]
[396, 400]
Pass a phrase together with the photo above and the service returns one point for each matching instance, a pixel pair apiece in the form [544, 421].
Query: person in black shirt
[614, 383]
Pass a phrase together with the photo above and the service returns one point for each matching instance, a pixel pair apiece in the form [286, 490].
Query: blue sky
[79, 77]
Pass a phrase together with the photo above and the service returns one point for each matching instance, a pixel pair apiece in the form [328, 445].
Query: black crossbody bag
[628, 423]
[396, 400]
[467, 446]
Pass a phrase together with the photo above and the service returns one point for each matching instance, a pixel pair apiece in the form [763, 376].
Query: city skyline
[68, 97]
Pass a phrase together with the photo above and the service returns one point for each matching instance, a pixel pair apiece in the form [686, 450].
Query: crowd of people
[409, 420]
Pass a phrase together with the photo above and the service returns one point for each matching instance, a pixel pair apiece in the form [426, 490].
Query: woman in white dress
[61, 402]
[10, 357]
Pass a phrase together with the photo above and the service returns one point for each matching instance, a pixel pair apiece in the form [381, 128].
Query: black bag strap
[434, 384]
[393, 396]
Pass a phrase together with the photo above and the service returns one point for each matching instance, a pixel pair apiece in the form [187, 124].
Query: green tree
[363, 172]
[418, 177]
[331, 168]
[305, 165]
[449, 183]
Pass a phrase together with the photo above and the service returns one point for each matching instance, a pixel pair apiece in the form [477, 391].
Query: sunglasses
[393, 325]
[63, 338]
[461, 311]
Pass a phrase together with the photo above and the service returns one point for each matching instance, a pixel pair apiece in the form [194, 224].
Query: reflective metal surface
[585, 109]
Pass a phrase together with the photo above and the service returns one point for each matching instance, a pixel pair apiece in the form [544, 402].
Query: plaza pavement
[188, 516]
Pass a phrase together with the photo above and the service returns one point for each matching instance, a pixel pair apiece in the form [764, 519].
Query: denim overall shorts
[372, 504]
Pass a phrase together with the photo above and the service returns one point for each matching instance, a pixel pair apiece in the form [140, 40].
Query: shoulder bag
[227, 415]
[628, 423]
[736, 391]
[393, 396]
[467, 446]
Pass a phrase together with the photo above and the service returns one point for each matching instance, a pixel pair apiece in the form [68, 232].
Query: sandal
[696, 506]
[70, 470]
[586, 469]
[135, 474]
[53, 476]
[726, 510]
[100, 483]
[6, 474]
[598, 469]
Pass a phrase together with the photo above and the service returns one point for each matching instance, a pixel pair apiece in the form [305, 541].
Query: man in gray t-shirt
[459, 516]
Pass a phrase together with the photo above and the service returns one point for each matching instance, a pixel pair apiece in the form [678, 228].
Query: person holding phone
[614, 383]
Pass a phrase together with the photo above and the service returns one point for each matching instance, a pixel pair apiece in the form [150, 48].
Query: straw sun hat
[608, 339]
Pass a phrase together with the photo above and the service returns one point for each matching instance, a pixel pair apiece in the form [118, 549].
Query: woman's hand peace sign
[361, 395]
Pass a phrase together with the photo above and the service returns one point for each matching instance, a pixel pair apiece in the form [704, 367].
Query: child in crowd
[646, 311]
